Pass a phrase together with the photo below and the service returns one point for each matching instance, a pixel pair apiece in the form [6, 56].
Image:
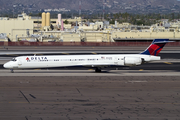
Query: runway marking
[66, 53]
[37, 69]
[141, 70]
[93, 53]
[168, 63]
[90, 69]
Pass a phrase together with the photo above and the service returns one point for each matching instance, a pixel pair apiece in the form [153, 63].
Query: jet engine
[133, 61]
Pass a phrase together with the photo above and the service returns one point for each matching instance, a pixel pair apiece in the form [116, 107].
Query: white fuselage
[55, 61]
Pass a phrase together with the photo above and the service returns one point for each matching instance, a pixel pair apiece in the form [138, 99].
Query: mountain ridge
[117, 5]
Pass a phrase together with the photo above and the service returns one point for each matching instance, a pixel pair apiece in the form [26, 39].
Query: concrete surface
[85, 97]
[146, 92]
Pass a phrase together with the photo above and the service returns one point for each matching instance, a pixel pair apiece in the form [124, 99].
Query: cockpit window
[14, 59]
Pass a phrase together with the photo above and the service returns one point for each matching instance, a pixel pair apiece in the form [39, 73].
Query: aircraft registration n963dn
[95, 61]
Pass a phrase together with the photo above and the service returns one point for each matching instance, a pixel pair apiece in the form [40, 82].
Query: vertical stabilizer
[155, 47]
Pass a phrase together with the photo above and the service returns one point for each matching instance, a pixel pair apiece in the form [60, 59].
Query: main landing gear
[12, 71]
[98, 70]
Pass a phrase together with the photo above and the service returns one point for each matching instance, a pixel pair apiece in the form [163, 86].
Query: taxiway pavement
[85, 97]
[147, 92]
[91, 72]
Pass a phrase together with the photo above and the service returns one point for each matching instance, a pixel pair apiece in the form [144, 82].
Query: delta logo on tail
[156, 46]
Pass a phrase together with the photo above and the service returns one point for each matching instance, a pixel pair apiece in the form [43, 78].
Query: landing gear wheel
[12, 71]
[97, 70]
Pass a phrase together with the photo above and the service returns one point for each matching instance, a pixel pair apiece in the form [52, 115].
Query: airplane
[93, 61]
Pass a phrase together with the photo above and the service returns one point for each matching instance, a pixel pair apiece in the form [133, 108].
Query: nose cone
[6, 65]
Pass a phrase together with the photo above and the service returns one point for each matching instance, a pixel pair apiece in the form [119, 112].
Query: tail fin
[155, 47]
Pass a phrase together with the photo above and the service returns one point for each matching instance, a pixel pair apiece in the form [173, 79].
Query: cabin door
[115, 60]
[19, 62]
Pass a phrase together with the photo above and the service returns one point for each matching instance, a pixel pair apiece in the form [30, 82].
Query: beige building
[14, 28]
[24, 26]
[141, 35]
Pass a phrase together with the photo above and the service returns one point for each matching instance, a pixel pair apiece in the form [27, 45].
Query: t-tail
[155, 47]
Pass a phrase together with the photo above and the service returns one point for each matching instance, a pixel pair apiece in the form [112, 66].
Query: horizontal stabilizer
[163, 42]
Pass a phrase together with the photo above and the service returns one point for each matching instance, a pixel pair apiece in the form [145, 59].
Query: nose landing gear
[98, 70]
[12, 71]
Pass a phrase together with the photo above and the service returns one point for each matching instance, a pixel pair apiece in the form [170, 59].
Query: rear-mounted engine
[132, 61]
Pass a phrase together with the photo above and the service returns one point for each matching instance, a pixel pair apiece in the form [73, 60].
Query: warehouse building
[22, 26]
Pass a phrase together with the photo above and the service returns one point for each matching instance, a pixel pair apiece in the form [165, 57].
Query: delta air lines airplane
[94, 61]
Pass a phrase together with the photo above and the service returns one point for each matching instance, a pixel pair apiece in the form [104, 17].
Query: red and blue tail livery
[156, 46]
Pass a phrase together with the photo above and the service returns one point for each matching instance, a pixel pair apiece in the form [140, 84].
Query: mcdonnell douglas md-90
[94, 61]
